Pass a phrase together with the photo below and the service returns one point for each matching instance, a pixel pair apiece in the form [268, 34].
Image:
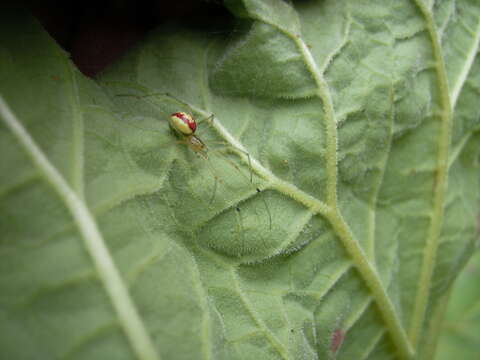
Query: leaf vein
[462, 78]
[94, 242]
[440, 184]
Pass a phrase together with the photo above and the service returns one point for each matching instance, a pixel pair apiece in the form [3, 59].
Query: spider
[184, 126]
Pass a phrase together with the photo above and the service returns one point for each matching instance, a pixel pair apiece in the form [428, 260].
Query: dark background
[97, 33]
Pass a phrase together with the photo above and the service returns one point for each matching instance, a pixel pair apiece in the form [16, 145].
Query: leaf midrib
[440, 184]
[331, 211]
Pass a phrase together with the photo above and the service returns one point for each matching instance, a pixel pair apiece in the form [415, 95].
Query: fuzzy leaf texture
[461, 326]
[336, 205]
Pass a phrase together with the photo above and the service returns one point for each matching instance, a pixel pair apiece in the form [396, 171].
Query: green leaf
[459, 337]
[336, 206]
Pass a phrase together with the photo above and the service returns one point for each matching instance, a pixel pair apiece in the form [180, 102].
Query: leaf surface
[460, 329]
[337, 204]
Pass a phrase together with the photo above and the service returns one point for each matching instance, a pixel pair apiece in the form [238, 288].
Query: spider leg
[238, 215]
[229, 147]
[208, 119]
[211, 168]
[164, 94]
